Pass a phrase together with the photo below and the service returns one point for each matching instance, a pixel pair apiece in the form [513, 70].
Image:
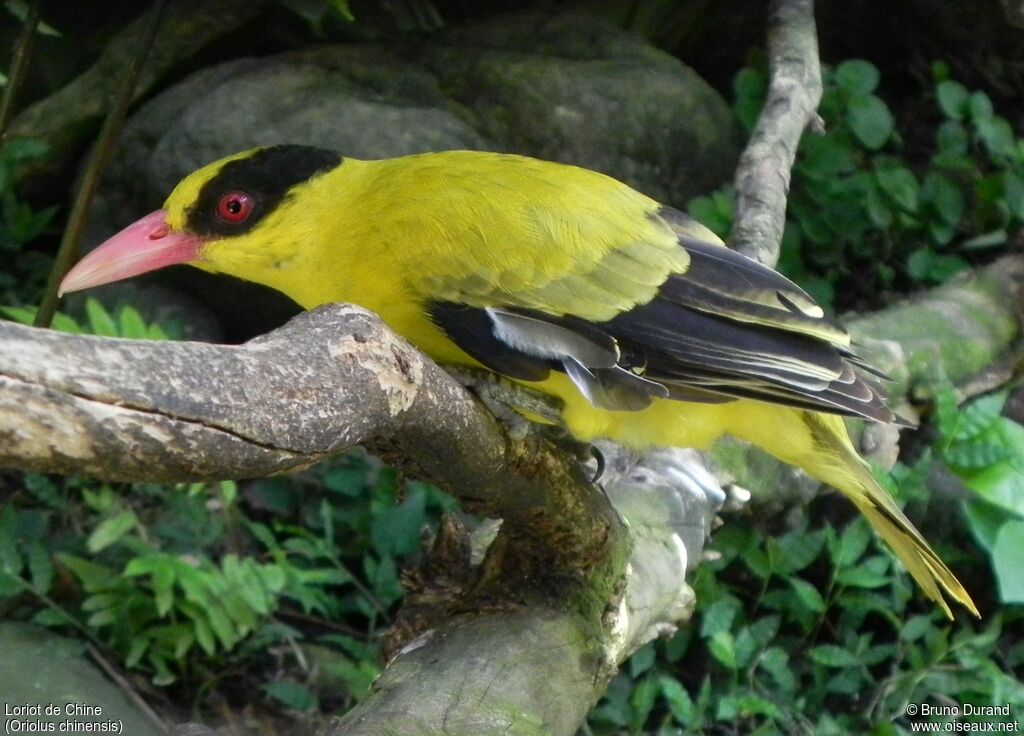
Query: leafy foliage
[859, 205]
[809, 632]
[813, 630]
[986, 450]
[25, 269]
[126, 322]
[174, 579]
[179, 581]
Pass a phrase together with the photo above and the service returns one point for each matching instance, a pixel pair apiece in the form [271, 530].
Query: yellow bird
[633, 314]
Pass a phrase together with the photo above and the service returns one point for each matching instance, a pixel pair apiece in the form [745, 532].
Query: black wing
[727, 328]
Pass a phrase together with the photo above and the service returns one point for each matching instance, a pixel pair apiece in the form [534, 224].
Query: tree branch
[538, 671]
[563, 567]
[948, 334]
[762, 177]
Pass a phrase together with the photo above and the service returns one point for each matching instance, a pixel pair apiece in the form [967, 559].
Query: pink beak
[141, 247]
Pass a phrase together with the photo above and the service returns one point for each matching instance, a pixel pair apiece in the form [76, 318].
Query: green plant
[986, 450]
[21, 224]
[816, 631]
[180, 581]
[811, 632]
[126, 322]
[176, 581]
[860, 204]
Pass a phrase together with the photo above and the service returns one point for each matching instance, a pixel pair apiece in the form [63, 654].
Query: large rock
[566, 88]
[46, 679]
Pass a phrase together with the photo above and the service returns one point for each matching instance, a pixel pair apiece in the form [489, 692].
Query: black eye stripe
[266, 176]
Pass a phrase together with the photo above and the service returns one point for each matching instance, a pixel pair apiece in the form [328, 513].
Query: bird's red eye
[234, 207]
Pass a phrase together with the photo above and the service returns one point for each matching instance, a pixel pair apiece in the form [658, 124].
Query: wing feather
[695, 323]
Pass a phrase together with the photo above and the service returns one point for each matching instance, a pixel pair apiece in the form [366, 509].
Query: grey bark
[564, 595]
[763, 174]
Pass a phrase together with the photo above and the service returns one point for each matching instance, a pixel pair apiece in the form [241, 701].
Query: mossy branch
[589, 589]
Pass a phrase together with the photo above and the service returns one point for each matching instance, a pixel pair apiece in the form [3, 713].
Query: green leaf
[753, 638]
[941, 232]
[100, 601]
[397, 530]
[130, 324]
[899, 183]
[750, 82]
[997, 135]
[857, 76]
[103, 617]
[869, 120]
[750, 86]
[341, 7]
[878, 207]
[723, 648]
[111, 530]
[915, 627]
[944, 196]
[138, 647]
[808, 595]
[831, 655]
[825, 156]
[10, 558]
[714, 212]
[642, 699]
[1008, 561]
[641, 661]
[852, 543]
[1003, 483]
[100, 321]
[869, 574]
[52, 617]
[719, 616]
[952, 97]
[927, 266]
[821, 290]
[182, 637]
[985, 520]
[994, 239]
[1013, 186]
[346, 481]
[946, 410]
[40, 566]
[966, 456]
[163, 676]
[978, 417]
[793, 552]
[679, 703]
[775, 661]
[292, 695]
[952, 139]
[163, 587]
[980, 106]
[94, 577]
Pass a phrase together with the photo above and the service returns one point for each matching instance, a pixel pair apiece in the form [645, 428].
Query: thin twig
[19, 66]
[762, 177]
[126, 687]
[68, 250]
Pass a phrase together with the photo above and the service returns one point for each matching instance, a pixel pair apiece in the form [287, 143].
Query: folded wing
[721, 327]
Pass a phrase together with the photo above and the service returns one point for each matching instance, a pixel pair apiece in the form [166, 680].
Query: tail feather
[917, 556]
[851, 475]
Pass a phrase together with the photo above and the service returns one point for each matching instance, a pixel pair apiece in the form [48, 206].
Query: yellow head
[239, 215]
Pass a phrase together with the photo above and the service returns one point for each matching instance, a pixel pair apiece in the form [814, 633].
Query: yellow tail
[837, 463]
[818, 443]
